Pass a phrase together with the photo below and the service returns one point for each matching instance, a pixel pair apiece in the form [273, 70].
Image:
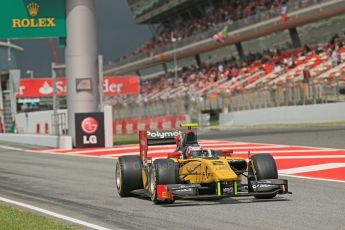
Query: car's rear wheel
[128, 175]
[164, 172]
[263, 167]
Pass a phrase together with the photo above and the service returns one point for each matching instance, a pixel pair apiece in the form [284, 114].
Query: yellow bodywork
[205, 170]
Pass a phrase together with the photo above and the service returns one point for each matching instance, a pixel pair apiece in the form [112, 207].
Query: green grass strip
[126, 139]
[16, 219]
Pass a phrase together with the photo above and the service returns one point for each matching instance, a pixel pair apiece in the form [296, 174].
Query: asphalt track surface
[83, 188]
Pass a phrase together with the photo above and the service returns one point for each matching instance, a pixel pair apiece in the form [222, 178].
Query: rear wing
[155, 137]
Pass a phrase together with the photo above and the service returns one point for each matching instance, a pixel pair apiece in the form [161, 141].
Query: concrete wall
[63, 142]
[332, 112]
[26, 122]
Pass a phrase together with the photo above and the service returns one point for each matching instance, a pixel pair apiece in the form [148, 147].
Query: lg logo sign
[89, 125]
[89, 130]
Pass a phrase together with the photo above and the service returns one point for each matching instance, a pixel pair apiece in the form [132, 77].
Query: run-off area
[299, 161]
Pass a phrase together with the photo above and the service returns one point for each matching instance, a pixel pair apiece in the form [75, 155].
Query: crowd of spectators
[278, 61]
[215, 16]
[194, 79]
[209, 73]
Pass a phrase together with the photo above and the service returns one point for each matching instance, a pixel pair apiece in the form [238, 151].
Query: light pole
[31, 73]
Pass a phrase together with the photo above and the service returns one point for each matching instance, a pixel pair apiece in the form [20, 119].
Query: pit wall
[36, 122]
[319, 113]
[62, 142]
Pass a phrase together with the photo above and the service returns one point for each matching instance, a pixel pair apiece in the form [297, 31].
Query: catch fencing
[285, 94]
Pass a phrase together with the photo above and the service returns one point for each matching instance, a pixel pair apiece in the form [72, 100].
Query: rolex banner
[32, 19]
[89, 129]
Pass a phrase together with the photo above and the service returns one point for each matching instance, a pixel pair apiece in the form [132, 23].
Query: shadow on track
[232, 201]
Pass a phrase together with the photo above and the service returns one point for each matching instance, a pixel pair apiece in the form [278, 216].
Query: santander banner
[43, 87]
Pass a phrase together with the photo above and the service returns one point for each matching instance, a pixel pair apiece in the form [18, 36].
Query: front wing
[222, 190]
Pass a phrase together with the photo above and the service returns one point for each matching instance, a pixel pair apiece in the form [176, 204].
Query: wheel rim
[152, 184]
[118, 177]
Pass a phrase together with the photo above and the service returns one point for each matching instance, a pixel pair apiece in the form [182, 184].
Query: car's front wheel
[163, 172]
[263, 167]
[128, 175]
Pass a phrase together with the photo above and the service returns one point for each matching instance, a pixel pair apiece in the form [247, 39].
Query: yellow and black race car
[191, 172]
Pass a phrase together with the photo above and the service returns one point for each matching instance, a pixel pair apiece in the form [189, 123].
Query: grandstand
[267, 58]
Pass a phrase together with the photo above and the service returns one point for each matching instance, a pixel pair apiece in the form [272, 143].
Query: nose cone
[221, 170]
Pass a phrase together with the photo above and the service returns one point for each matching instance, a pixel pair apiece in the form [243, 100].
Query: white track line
[216, 148]
[290, 151]
[249, 147]
[309, 157]
[66, 154]
[275, 157]
[312, 178]
[11, 148]
[312, 168]
[136, 147]
[235, 152]
[54, 214]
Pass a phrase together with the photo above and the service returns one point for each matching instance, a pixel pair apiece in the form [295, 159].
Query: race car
[191, 172]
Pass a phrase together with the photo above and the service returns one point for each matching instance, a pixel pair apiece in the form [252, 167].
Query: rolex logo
[33, 9]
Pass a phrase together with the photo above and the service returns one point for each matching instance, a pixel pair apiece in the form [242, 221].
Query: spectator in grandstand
[283, 10]
[335, 57]
[291, 62]
[306, 75]
[278, 69]
[306, 50]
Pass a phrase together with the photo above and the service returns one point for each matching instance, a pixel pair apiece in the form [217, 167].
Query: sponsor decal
[43, 87]
[162, 134]
[32, 22]
[89, 130]
[89, 125]
[228, 190]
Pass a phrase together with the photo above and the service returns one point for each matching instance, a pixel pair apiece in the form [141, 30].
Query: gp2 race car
[191, 172]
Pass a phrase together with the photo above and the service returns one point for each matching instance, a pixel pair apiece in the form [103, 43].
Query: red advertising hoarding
[43, 87]
[121, 85]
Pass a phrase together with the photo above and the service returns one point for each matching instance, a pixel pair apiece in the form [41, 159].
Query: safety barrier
[287, 94]
[63, 142]
[317, 113]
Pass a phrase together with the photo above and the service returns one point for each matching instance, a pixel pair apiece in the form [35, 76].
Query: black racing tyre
[128, 175]
[164, 171]
[263, 166]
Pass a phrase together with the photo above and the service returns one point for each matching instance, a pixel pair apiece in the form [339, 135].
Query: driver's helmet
[195, 151]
